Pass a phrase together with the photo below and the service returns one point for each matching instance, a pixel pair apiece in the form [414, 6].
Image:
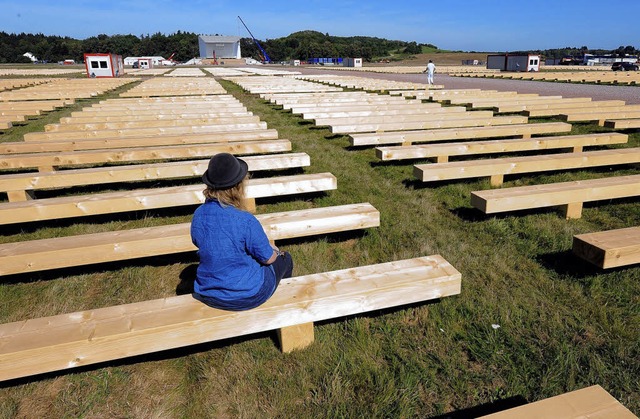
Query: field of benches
[355, 176]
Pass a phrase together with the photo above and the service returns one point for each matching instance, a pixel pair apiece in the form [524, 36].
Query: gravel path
[630, 94]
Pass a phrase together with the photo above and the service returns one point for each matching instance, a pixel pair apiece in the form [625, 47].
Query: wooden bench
[151, 116]
[419, 117]
[145, 199]
[411, 110]
[609, 249]
[496, 169]
[124, 125]
[157, 140]
[19, 187]
[622, 123]
[304, 109]
[47, 162]
[557, 109]
[64, 341]
[601, 115]
[137, 132]
[591, 402]
[432, 124]
[423, 136]
[550, 103]
[570, 196]
[63, 252]
[442, 151]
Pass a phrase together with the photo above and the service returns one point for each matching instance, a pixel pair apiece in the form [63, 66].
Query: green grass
[562, 325]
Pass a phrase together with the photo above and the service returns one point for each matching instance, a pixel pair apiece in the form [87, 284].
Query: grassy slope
[563, 326]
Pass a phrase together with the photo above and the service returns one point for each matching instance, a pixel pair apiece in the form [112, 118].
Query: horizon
[493, 26]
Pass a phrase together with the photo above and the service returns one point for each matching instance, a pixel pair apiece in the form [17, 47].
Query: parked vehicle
[624, 66]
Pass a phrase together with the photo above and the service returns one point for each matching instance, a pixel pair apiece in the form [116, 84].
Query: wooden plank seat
[622, 123]
[496, 169]
[40, 105]
[601, 115]
[576, 102]
[136, 132]
[126, 142]
[410, 110]
[174, 122]
[168, 111]
[442, 151]
[432, 124]
[154, 198]
[152, 116]
[63, 252]
[609, 249]
[47, 162]
[570, 196]
[417, 117]
[556, 109]
[64, 341]
[467, 100]
[304, 109]
[20, 187]
[5, 122]
[162, 108]
[590, 402]
[363, 102]
[423, 136]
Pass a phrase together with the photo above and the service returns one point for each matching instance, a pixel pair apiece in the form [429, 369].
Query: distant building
[156, 60]
[103, 65]
[216, 46]
[352, 62]
[508, 62]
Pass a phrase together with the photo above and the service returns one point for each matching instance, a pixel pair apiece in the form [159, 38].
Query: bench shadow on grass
[485, 409]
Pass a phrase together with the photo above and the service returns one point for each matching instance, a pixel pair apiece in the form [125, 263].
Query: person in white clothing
[431, 68]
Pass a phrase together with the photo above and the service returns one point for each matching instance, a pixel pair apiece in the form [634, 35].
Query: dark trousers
[282, 267]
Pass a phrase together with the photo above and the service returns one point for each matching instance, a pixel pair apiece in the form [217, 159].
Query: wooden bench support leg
[406, 143]
[497, 180]
[527, 135]
[295, 337]
[20, 196]
[577, 149]
[572, 210]
[441, 159]
[46, 169]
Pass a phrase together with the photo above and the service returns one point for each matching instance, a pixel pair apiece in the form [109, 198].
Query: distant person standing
[431, 68]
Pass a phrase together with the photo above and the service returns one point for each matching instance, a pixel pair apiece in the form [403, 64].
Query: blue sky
[481, 25]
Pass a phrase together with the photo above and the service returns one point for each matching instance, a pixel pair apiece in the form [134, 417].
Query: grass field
[532, 321]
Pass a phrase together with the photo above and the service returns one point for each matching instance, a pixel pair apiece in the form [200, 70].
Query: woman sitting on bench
[239, 269]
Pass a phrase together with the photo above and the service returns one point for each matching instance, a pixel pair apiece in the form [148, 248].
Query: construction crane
[265, 56]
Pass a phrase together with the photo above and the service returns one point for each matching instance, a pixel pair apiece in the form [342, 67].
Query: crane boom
[265, 56]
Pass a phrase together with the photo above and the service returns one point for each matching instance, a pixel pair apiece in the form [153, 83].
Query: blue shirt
[232, 246]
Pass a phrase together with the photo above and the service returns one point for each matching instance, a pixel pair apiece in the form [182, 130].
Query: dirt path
[630, 94]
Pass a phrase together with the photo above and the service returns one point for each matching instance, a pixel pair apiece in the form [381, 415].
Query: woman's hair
[233, 196]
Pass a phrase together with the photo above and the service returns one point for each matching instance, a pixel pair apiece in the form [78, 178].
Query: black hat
[225, 171]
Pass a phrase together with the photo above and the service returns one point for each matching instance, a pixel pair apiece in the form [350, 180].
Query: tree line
[299, 45]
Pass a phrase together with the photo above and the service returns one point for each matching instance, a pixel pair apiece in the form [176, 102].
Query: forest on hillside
[299, 45]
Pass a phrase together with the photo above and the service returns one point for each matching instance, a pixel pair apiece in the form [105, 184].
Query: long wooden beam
[569, 195]
[498, 168]
[47, 161]
[465, 133]
[609, 249]
[19, 183]
[153, 198]
[61, 252]
[442, 151]
[78, 339]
